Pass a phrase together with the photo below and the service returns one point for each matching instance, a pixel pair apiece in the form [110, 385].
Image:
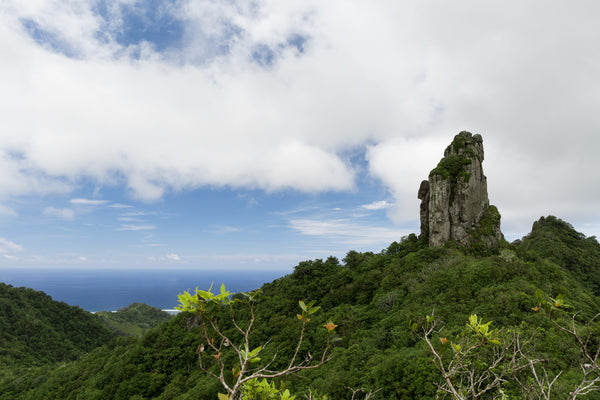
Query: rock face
[454, 200]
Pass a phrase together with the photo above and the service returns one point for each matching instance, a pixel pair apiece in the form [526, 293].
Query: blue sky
[253, 135]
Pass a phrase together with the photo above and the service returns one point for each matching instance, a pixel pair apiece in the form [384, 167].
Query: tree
[483, 360]
[228, 355]
[582, 337]
[477, 364]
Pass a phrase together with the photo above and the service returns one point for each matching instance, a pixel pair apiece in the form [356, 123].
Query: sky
[251, 135]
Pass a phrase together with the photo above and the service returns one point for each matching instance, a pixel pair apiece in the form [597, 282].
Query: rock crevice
[454, 199]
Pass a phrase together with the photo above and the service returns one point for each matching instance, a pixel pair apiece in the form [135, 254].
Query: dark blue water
[108, 290]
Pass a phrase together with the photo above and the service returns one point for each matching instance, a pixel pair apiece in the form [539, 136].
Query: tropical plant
[484, 361]
[477, 364]
[262, 389]
[229, 356]
[585, 338]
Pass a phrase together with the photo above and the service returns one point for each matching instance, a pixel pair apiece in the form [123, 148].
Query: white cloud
[401, 83]
[117, 205]
[173, 257]
[129, 219]
[223, 230]
[255, 261]
[18, 176]
[88, 202]
[63, 213]
[166, 258]
[377, 205]
[132, 227]
[401, 165]
[7, 246]
[136, 213]
[347, 232]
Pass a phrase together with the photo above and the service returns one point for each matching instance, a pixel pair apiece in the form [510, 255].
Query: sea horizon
[111, 289]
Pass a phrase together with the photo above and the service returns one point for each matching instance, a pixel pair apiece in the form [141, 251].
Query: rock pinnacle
[454, 200]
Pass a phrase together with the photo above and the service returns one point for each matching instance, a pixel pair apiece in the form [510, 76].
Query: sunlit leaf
[302, 305]
[254, 352]
[559, 301]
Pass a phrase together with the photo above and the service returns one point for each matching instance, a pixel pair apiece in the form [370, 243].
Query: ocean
[109, 290]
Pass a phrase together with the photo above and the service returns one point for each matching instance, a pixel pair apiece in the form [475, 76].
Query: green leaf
[559, 301]
[314, 309]
[205, 295]
[473, 321]
[186, 301]
[539, 296]
[223, 396]
[302, 305]
[254, 352]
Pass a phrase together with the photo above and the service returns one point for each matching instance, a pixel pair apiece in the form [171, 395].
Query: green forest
[390, 325]
[133, 320]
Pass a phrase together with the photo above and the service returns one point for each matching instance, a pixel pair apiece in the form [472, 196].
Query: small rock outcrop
[454, 200]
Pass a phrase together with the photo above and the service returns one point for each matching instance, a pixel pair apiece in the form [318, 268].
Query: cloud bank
[275, 95]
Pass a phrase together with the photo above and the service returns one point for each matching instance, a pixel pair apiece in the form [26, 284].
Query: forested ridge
[36, 330]
[133, 320]
[373, 298]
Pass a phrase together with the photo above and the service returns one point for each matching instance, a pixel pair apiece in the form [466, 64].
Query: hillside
[133, 320]
[36, 330]
[556, 240]
[372, 298]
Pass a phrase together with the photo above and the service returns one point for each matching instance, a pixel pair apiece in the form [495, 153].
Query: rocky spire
[454, 200]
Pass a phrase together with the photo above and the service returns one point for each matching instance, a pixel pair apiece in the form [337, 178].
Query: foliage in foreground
[223, 351]
[504, 363]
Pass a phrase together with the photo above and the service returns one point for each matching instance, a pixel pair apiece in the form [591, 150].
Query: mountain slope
[373, 298]
[35, 330]
[133, 320]
[555, 239]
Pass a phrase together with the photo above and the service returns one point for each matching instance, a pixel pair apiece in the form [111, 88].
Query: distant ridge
[133, 320]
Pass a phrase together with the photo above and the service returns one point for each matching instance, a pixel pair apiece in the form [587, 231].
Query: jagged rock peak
[454, 200]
